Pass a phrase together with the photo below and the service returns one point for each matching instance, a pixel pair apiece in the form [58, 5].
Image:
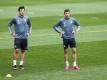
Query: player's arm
[78, 26]
[55, 27]
[29, 26]
[10, 27]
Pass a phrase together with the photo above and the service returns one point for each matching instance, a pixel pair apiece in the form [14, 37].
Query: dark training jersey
[22, 26]
[67, 27]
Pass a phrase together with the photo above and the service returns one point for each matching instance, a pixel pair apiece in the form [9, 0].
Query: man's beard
[67, 17]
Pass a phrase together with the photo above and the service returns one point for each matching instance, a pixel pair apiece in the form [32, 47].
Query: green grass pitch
[45, 60]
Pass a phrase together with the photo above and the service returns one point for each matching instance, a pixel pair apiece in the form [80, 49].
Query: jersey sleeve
[55, 27]
[76, 22]
[10, 25]
[29, 26]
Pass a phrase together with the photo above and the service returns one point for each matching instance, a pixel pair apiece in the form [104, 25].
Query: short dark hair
[66, 10]
[21, 7]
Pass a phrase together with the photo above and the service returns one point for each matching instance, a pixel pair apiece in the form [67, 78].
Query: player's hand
[73, 32]
[61, 34]
[28, 34]
[13, 34]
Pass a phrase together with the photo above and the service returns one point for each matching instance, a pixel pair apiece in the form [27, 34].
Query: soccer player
[67, 33]
[22, 29]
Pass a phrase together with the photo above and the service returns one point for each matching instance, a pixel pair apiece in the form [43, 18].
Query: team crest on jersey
[18, 22]
[71, 22]
[64, 25]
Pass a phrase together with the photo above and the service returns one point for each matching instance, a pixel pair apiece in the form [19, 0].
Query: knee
[16, 51]
[65, 51]
[22, 51]
[74, 52]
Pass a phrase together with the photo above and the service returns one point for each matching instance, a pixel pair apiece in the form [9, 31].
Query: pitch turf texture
[44, 60]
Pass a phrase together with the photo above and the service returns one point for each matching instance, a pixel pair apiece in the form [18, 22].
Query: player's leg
[73, 46]
[75, 66]
[66, 59]
[74, 56]
[23, 48]
[65, 44]
[22, 55]
[66, 55]
[15, 54]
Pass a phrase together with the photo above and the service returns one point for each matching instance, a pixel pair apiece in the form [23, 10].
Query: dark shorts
[69, 42]
[20, 44]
